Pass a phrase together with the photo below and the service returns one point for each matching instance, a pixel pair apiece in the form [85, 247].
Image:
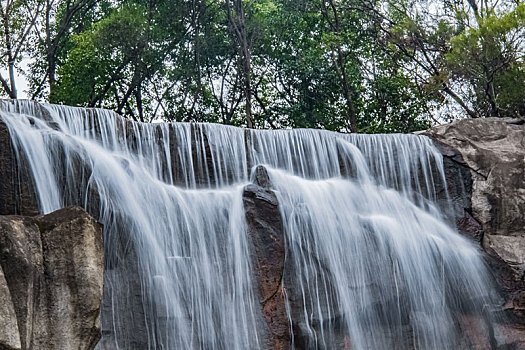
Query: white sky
[20, 80]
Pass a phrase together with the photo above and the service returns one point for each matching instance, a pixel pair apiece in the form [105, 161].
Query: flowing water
[371, 262]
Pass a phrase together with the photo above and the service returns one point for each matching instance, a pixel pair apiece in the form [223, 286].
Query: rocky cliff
[485, 167]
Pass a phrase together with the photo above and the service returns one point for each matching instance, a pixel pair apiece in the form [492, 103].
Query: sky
[20, 80]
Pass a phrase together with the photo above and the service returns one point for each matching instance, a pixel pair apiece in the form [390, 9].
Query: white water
[370, 261]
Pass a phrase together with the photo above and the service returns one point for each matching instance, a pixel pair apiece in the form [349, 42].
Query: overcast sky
[21, 81]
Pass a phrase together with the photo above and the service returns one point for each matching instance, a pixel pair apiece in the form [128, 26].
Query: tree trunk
[247, 86]
[138, 97]
[50, 56]
[237, 23]
[10, 59]
[351, 117]
[331, 14]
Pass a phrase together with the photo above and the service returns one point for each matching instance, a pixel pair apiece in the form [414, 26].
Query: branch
[5, 85]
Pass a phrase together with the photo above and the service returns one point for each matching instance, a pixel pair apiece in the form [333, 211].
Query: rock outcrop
[51, 273]
[264, 223]
[485, 169]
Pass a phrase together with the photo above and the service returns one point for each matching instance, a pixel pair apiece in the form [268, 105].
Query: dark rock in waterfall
[123, 297]
[265, 229]
[50, 280]
[17, 195]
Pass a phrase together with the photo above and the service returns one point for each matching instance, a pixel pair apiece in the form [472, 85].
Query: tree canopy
[345, 65]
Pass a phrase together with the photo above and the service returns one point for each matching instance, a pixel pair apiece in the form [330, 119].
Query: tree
[299, 87]
[490, 58]
[343, 38]
[113, 63]
[466, 50]
[18, 19]
[59, 19]
[345, 65]
[237, 24]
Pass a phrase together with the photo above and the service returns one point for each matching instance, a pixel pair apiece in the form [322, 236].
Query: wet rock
[17, 194]
[266, 230]
[123, 297]
[53, 268]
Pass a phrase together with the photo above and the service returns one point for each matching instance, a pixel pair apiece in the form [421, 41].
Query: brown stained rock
[510, 336]
[266, 230]
[470, 227]
[53, 266]
[476, 333]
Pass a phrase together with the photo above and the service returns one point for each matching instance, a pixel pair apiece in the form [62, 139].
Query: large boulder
[51, 274]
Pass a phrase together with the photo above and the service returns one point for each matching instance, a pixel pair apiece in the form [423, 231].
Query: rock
[21, 259]
[485, 169]
[7, 198]
[124, 299]
[494, 152]
[508, 248]
[266, 230]
[9, 334]
[53, 267]
[17, 194]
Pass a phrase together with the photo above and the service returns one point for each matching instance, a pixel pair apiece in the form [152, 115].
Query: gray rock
[485, 169]
[9, 334]
[53, 268]
[494, 152]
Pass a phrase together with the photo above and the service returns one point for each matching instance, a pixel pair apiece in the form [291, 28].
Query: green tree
[490, 59]
[465, 53]
[113, 63]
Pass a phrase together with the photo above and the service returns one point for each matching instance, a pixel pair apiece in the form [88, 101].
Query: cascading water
[370, 261]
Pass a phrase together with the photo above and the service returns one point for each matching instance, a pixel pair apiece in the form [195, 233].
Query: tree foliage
[345, 65]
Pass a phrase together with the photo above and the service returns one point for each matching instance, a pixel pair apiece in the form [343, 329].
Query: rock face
[51, 266]
[485, 168]
[51, 271]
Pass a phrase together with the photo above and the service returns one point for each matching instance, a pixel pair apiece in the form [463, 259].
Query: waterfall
[372, 261]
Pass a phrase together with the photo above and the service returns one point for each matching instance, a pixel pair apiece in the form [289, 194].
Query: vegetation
[346, 65]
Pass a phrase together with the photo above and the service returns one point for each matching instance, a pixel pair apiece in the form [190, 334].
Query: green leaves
[490, 58]
[393, 66]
